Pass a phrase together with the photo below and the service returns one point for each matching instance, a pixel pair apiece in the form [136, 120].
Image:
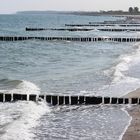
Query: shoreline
[129, 123]
[133, 130]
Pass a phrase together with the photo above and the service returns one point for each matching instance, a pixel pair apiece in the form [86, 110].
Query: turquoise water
[61, 67]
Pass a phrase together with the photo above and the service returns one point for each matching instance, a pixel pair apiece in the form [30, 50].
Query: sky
[12, 6]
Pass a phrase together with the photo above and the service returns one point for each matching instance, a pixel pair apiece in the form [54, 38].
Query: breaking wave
[20, 118]
[122, 83]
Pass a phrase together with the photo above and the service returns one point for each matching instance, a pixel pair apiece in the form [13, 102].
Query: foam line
[22, 127]
[129, 123]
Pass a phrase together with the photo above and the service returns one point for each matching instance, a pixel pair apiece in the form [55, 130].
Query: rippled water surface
[62, 67]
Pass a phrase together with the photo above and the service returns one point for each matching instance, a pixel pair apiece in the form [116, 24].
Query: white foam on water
[23, 87]
[26, 87]
[122, 84]
[126, 61]
[28, 114]
[129, 122]
[21, 128]
[121, 67]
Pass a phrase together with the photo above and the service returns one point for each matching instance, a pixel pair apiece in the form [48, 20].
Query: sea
[65, 68]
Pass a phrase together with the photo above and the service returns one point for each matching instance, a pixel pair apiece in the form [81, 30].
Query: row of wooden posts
[67, 100]
[82, 29]
[119, 30]
[80, 39]
[58, 29]
[98, 25]
[117, 22]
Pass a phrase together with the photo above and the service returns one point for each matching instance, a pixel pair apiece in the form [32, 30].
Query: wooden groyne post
[78, 39]
[67, 100]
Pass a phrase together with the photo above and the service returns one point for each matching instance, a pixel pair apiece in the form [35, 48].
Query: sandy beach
[135, 93]
[133, 131]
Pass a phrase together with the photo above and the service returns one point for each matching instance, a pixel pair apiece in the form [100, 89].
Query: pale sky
[11, 6]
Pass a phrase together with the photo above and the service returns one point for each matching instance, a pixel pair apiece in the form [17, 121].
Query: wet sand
[135, 93]
[133, 131]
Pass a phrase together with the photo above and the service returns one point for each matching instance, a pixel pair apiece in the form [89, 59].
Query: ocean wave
[19, 119]
[22, 118]
[18, 86]
[125, 62]
[122, 83]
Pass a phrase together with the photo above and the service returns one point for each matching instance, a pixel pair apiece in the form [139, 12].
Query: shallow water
[82, 122]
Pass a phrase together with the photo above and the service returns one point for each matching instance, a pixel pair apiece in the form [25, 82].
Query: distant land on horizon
[89, 13]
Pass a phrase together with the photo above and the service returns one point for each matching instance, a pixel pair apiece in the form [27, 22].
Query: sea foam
[122, 83]
[27, 114]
